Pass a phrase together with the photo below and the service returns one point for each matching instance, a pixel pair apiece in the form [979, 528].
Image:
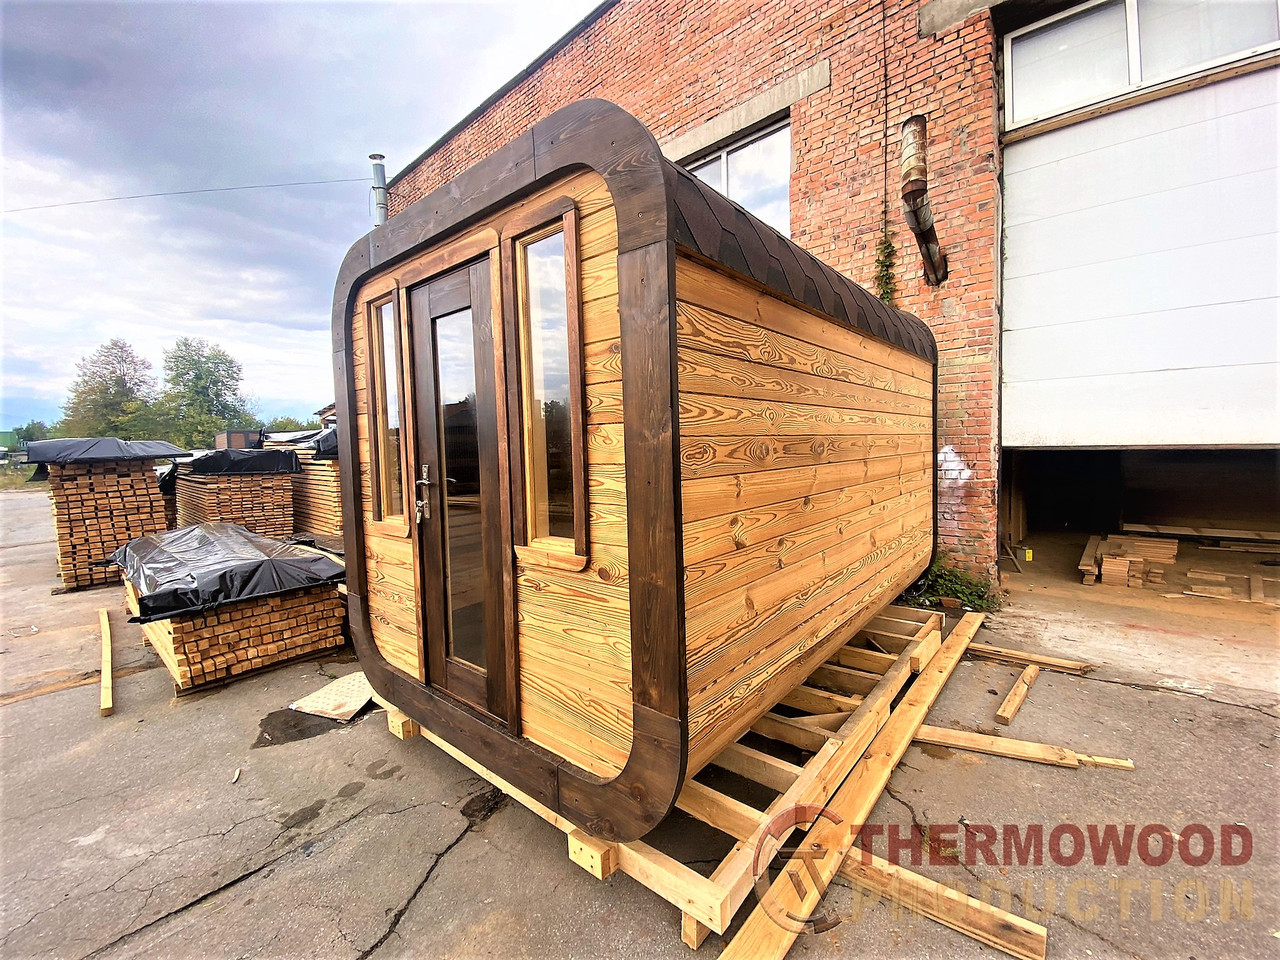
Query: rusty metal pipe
[915, 198]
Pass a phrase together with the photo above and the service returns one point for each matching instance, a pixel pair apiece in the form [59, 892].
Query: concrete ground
[132, 835]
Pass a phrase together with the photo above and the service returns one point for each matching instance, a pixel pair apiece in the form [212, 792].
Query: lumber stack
[317, 497]
[1126, 561]
[97, 508]
[205, 648]
[260, 502]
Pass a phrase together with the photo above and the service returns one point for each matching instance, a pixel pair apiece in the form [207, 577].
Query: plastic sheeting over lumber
[198, 568]
[244, 461]
[98, 449]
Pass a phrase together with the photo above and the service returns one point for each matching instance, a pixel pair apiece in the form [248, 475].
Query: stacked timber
[205, 648]
[317, 498]
[97, 507]
[104, 493]
[216, 600]
[1125, 561]
[252, 488]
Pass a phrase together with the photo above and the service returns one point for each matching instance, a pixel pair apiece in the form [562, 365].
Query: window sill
[547, 555]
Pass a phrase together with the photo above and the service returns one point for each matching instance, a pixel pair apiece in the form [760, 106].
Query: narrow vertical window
[551, 378]
[388, 479]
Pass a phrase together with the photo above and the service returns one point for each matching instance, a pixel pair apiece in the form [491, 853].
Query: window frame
[1138, 83]
[741, 140]
[394, 524]
[559, 215]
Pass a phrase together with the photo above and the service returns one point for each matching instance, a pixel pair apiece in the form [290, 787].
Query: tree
[201, 393]
[32, 430]
[110, 396]
[290, 425]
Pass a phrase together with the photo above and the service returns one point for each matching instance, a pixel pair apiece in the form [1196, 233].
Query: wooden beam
[598, 857]
[983, 922]
[844, 681]
[761, 937]
[739, 820]
[858, 658]
[812, 700]
[758, 766]
[997, 746]
[402, 727]
[106, 706]
[786, 730]
[986, 651]
[925, 650]
[1021, 687]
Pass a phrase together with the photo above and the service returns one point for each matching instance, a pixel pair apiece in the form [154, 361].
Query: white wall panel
[1142, 275]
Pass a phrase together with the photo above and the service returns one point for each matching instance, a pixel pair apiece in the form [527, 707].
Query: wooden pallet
[832, 718]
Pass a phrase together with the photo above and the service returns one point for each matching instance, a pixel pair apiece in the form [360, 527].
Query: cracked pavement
[126, 837]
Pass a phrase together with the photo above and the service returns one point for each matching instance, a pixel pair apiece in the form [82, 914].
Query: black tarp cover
[246, 461]
[205, 566]
[327, 445]
[98, 449]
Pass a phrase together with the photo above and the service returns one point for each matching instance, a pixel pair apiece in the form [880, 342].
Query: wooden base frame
[823, 716]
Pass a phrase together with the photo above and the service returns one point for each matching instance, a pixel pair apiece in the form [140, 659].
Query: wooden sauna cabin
[621, 465]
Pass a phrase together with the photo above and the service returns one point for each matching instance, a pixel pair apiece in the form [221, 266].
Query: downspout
[915, 199]
[379, 188]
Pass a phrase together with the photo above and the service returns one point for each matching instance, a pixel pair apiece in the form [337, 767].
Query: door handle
[424, 505]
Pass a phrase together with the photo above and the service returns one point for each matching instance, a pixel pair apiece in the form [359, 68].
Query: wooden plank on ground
[986, 651]
[761, 937]
[997, 746]
[1209, 532]
[758, 766]
[1021, 687]
[983, 922]
[106, 705]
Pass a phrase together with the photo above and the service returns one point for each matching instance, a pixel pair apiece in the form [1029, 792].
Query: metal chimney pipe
[915, 199]
[379, 188]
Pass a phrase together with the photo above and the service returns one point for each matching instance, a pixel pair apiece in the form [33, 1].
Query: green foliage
[290, 425]
[201, 393]
[32, 430]
[110, 396]
[886, 255]
[944, 580]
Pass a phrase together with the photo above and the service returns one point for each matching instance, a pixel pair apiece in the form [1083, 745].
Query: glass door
[456, 497]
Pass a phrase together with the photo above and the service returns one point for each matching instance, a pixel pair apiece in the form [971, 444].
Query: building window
[1110, 47]
[552, 385]
[755, 173]
[388, 469]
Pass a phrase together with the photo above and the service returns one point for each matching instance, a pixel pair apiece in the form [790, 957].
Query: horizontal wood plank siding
[807, 491]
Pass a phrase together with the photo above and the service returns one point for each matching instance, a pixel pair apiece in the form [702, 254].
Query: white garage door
[1141, 275]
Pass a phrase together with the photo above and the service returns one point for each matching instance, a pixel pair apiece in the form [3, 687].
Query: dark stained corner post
[589, 135]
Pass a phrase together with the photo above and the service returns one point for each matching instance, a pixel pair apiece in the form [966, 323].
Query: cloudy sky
[105, 99]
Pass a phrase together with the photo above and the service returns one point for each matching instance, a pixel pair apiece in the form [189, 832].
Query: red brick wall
[677, 64]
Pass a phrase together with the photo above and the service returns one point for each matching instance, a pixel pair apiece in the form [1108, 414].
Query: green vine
[886, 253]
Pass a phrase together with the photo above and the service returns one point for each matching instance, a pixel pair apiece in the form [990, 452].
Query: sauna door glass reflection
[460, 474]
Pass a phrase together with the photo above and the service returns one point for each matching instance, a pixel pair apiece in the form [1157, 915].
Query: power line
[184, 193]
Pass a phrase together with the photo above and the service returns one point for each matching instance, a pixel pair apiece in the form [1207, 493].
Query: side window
[552, 387]
[755, 173]
[384, 407]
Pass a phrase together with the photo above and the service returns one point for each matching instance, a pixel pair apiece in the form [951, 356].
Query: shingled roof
[709, 224]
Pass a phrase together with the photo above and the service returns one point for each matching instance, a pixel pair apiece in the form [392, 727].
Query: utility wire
[184, 193]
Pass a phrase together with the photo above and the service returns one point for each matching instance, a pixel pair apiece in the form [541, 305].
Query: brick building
[728, 88]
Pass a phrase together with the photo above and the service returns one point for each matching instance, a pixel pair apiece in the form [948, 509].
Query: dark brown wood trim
[600, 136]
[577, 379]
